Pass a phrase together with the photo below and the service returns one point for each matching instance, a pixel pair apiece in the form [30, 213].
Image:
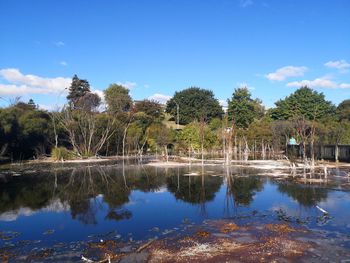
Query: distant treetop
[305, 103]
[194, 104]
[117, 98]
[77, 89]
[242, 109]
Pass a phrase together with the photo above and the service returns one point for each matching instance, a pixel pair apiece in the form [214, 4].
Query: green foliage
[151, 108]
[193, 134]
[334, 132]
[343, 110]
[160, 134]
[305, 103]
[25, 130]
[190, 137]
[61, 154]
[282, 131]
[242, 109]
[77, 89]
[194, 104]
[215, 124]
[134, 135]
[117, 98]
[260, 130]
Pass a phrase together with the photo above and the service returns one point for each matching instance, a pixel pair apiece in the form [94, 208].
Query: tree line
[83, 128]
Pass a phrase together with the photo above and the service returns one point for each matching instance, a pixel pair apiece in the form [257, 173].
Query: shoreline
[185, 161]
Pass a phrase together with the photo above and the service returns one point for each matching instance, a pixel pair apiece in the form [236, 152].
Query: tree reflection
[240, 189]
[85, 191]
[194, 189]
[307, 196]
[118, 214]
[243, 189]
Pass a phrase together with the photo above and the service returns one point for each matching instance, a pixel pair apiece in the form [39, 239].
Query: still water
[69, 204]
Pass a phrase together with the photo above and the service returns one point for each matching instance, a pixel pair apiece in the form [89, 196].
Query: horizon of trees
[124, 127]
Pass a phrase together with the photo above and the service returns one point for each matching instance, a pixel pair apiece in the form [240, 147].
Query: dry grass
[194, 252]
[280, 228]
[271, 242]
[229, 227]
[203, 234]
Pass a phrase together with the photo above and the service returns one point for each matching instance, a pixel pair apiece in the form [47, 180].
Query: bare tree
[304, 130]
[85, 135]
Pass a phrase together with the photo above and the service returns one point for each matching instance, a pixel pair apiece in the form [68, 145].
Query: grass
[171, 124]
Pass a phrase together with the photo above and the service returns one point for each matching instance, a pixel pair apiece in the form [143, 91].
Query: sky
[157, 47]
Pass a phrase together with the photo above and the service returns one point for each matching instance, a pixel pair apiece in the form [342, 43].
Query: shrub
[61, 153]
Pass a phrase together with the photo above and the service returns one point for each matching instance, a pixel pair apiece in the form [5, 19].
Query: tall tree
[193, 104]
[242, 109]
[117, 98]
[305, 103]
[77, 89]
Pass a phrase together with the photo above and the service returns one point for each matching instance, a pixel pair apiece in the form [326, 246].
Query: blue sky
[157, 47]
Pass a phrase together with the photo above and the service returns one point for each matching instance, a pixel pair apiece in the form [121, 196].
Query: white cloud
[20, 84]
[322, 82]
[286, 72]
[344, 85]
[128, 84]
[338, 64]
[55, 205]
[224, 105]
[245, 3]
[161, 98]
[63, 63]
[50, 107]
[100, 93]
[59, 44]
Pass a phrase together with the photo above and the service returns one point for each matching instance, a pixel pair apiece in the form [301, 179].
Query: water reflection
[194, 189]
[85, 190]
[305, 195]
[138, 198]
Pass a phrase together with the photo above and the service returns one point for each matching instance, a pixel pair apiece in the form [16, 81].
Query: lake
[63, 206]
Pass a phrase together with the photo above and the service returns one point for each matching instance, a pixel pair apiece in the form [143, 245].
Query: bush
[61, 153]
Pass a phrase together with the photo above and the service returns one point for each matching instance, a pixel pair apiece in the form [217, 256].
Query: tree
[77, 89]
[86, 132]
[151, 108]
[242, 109]
[161, 135]
[305, 103]
[117, 98]
[197, 136]
[343, 110]
[24, 131]
[194, 103]
[336, 132]
[305, 107]
[260, 133]
[89, 102]
[282, 131]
